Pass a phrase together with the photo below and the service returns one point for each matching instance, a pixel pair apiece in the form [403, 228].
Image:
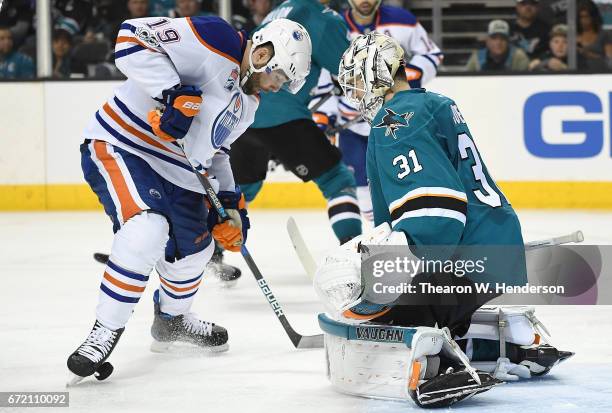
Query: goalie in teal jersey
[433, 197]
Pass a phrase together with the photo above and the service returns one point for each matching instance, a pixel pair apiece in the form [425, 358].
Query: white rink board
[22, 133]
[44, 122]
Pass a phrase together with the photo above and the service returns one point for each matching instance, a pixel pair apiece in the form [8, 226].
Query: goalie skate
[539, 359]
[185, 333]
[90, 357]
[451, 387]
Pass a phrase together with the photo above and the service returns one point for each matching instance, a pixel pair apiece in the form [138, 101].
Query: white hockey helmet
[356, 9]
[367, 69]
[292, 51]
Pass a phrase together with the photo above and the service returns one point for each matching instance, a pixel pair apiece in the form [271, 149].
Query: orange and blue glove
[414, 75]
[232, 233]
[326, 123]
[182, 104]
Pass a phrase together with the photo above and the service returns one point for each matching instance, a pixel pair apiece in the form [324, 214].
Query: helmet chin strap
[246, 77]
[250, 70]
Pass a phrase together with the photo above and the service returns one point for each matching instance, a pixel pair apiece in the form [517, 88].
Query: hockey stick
[298, 340]
[334, 92]
[563, 239]
[301, 249]
[310, 267]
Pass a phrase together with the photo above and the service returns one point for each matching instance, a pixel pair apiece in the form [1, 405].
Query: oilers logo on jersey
[227, 120]
[393, 121]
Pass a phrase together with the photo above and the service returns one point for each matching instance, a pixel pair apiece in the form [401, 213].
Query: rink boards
[545, 139]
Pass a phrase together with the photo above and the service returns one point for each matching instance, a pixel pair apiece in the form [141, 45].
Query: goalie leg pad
[399, 363]
[517, 333]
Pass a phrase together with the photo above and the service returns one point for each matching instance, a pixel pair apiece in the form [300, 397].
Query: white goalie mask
[292, 51]
[367, 69]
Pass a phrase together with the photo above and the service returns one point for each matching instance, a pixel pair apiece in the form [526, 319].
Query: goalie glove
[337, 280]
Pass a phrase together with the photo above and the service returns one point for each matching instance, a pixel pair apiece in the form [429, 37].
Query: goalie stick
[310, 266]
[563, 239]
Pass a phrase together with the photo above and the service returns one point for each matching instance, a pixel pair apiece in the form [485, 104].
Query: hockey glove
[325, 123]
[338, 281]
[414, 74]
[231, 234]
[181, 106]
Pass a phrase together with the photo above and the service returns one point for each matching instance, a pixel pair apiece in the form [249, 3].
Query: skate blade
[182, 349]
[73, 380]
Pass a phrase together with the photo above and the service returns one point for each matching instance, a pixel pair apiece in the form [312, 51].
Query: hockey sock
[365, 203]
[180, 280]
[338, 187]
[137, 246]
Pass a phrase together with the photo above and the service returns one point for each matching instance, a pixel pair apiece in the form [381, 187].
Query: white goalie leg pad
[137, 246]
[385, 366]
[506, 324]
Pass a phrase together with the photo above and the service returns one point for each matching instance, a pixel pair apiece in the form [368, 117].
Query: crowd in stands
[529, 43]
[84, 33]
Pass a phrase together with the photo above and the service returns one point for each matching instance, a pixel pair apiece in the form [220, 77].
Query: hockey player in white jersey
[424, 58]
[191, 90]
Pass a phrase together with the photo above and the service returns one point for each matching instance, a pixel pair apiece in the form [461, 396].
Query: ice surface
[50, 287]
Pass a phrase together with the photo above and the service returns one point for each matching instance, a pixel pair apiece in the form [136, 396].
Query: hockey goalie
[429, 187]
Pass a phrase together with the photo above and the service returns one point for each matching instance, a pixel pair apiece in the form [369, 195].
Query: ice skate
[227, 274]
[539, 359]
[90, 357]
[169, 331]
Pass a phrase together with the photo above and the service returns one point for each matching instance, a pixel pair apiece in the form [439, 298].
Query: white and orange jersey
[157, 54]
[422, 55]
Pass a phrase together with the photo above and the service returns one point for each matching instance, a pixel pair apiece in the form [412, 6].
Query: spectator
[529, 32]
[594, 43]
[61, 45]
[186, 8]
[258, 9]
[78, 11]
[108, 16]
[162, 8]
[499, 54]
[553, 11]
[137, 8]
[13, 65]
[555, 59]
[18, 16]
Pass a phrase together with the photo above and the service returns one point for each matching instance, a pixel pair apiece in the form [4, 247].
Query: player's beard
[253, 84]
[365, 9]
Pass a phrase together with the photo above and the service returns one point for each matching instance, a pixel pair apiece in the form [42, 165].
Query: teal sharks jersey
[329, 37]
[428, 179]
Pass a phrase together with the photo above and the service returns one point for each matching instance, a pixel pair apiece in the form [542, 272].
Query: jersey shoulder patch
[218, 36]
[391, 15]
[391, 122]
